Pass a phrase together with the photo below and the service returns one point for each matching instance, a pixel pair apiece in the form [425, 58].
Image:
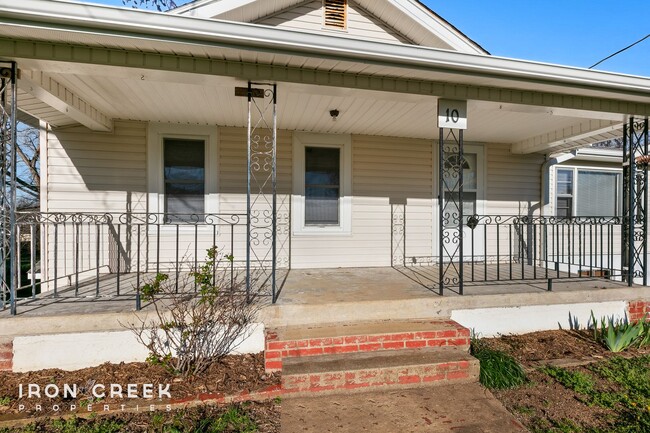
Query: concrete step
[308, 341]
[343, 373]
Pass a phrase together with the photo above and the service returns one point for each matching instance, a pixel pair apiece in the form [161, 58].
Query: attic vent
[335, 13]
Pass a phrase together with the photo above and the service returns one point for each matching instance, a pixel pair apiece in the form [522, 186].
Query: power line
[619, 51]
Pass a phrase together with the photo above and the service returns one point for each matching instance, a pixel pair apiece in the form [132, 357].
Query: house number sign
[452, 114]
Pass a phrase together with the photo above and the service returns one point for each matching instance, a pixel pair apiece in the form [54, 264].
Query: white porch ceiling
[302, 107]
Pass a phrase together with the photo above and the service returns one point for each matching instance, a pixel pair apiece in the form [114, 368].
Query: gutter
[546, 178]
[72, 17]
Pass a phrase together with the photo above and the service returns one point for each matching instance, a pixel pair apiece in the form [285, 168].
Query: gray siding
[309, 16]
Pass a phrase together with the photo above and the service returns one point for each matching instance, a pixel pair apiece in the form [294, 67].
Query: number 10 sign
[452, 114]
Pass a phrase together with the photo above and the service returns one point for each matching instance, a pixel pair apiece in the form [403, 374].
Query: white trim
[155, 179]
[343, 142]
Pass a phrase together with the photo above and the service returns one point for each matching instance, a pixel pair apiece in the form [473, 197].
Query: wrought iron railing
[112, 254]
[498, 248]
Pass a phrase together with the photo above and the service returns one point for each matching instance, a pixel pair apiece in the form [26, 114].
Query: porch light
[335, 114]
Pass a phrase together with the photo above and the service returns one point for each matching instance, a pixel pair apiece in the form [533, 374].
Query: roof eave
[102, 20]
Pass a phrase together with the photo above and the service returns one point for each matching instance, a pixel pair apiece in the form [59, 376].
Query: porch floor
[315, 287]
[324, 286]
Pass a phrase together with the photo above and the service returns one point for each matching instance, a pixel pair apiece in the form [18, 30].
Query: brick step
[342, 373]
[308, 341]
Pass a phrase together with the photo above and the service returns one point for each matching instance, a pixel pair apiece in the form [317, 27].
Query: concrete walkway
[466, 408]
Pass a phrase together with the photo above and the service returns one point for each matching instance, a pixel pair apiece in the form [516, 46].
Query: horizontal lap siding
[387, 174]
[232, 184]
[97, 171]
[513, 188]
[309, 17]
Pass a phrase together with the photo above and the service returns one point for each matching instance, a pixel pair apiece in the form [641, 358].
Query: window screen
[322, 185]
[597, 193]
[184, 165]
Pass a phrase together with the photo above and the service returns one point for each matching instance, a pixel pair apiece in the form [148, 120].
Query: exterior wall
[309, 16]
[98, 171]
[513, 188]
[94, 172]
[107, 172]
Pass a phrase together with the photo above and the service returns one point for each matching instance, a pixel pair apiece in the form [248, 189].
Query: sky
[567, 32]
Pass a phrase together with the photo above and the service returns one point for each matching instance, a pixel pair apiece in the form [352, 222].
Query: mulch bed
[555, 347]
[231, 375]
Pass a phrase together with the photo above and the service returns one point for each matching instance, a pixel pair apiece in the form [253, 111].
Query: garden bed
[576, 385]
[235, 375]
[250, 417]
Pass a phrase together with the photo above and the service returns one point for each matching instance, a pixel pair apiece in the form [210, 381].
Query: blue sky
[569, 32]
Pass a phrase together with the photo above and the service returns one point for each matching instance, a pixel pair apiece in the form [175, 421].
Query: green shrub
[498, 370]
[616, 334]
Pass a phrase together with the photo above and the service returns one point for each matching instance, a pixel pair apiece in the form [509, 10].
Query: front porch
[330, 288]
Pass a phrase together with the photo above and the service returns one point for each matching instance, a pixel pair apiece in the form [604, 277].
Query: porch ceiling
[160, 97]
[102, 63]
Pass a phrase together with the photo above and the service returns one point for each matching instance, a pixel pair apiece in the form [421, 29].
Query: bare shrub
[197, 321]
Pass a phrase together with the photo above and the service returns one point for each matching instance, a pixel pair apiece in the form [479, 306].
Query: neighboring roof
[411, 18]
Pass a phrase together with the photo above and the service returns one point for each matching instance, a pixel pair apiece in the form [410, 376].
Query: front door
[473, 165]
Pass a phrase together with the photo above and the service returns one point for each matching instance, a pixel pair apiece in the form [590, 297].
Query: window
[184, 176]
[322, 185]
[335, 13]
[182, 164]
[587, 192]
[564, 193]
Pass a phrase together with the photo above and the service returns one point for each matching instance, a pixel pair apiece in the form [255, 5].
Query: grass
[233, 419]
[627, 394]
[498, 370]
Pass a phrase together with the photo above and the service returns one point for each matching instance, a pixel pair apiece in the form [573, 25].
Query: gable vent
[335, 13]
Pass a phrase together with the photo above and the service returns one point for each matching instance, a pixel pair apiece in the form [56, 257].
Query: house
[342, 152]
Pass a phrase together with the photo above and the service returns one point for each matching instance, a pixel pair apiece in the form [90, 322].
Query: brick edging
[263, 394]
[637, 310]
[6, 354]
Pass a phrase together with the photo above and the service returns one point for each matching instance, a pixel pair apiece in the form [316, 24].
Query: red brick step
[342, 373]
[359, 337]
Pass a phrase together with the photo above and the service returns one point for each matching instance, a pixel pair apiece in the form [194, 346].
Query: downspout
[546, 176]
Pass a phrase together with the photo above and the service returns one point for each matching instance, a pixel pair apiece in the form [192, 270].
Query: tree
[28, 178]
[160, 5]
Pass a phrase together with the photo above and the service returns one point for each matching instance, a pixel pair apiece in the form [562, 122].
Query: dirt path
[465, 408]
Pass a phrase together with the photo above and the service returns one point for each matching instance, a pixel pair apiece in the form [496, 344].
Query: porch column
[8, 163]
[635, 200]
[450, 202]
[261, 198]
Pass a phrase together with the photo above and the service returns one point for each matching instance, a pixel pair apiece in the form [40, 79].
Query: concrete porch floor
[324, 286]
[323, 296]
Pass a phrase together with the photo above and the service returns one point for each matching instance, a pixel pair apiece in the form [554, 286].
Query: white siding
[513, 188]
[98, 171]
[106, 172]
[309, 16]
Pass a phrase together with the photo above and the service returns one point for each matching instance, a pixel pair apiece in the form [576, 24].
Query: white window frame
[302, 140]
[574, 196]
[157, 133]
